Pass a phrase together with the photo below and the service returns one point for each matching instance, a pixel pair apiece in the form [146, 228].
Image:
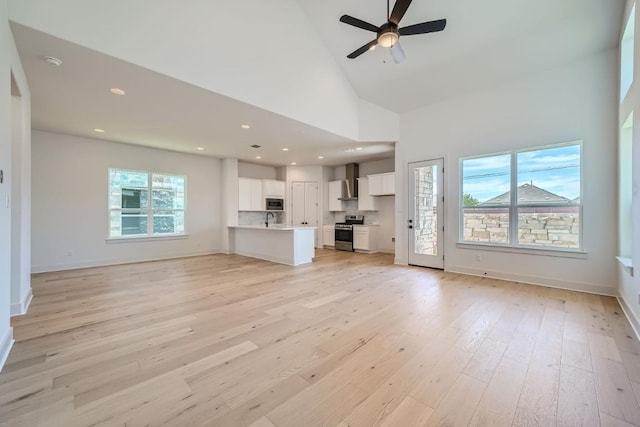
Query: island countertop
[274, 227]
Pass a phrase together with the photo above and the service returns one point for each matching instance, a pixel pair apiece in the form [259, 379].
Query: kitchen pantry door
[426, 213]
[304, 204]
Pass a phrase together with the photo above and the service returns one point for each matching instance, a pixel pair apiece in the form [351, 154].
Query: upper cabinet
[273, 188]
[335, 193]
[366, 202]
[382, 184]
[250, 194]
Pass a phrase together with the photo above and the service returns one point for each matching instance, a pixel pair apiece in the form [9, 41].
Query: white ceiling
[485, 43]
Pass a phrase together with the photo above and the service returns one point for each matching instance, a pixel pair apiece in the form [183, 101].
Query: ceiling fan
[389, 32]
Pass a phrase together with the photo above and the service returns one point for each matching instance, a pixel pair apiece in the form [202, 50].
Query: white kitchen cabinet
[273, 188]
[366, 202]
[335, 192]
[382, 184]
[250, 194]
[328, 235]
[365, 238]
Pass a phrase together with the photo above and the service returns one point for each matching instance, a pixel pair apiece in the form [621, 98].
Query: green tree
[468, 200]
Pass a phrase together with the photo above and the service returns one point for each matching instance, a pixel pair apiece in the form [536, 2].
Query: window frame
[513, 207]
[149, 209]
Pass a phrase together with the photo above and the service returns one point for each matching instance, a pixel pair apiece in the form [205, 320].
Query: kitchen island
[278, 243]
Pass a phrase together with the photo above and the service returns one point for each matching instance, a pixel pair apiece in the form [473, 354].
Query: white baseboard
[100, 263]
[20, 308]
[535, 280]
[5, 347]
[631, 317]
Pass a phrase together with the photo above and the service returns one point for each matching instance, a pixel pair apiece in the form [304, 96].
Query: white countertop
[274, 227]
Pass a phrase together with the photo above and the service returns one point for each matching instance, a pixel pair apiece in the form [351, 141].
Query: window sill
[526, 251]
[110, 240]
[627, 263]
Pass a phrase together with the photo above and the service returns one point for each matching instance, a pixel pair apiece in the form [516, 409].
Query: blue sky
[554, 169]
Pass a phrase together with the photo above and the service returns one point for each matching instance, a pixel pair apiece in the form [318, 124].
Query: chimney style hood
[350, 186]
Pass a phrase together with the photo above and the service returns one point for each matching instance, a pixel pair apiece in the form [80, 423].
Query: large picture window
[528, 198]
[145, 204]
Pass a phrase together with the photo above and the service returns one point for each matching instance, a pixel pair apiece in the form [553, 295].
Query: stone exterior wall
[426, 212]
[551, 227]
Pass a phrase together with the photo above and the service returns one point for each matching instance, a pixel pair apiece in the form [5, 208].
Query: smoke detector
[53, 60]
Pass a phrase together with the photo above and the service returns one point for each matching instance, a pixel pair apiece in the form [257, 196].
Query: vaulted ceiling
[195, 71]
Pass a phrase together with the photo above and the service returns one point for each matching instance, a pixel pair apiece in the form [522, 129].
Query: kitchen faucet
[266, 221]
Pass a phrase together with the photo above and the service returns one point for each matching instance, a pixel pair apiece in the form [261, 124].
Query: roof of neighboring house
[527, 193]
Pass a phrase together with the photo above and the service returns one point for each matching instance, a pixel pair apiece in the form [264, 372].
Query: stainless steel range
[344, 232]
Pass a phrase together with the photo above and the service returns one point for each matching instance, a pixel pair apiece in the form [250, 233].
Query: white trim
[5, 347]
[627, 263]
[524, 250]
[535, 280]
[631, 317]
[20, 308]
[145, 238]
[119, 261]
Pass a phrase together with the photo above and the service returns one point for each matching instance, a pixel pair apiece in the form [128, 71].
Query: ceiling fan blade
[399, 9]
[363, 49]
[424, 27]
[397, 53]
[358, 23]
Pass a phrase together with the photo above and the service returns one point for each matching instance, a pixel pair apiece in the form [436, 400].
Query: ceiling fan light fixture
[388, 38]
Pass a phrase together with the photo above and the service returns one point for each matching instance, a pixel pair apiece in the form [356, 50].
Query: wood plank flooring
[350, 340]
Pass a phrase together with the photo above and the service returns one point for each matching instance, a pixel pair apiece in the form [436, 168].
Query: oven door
[344, 239]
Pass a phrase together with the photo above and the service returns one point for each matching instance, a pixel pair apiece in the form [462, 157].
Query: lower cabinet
[328, 235]
[365, 238]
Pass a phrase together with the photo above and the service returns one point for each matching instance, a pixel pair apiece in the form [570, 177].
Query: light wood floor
[351, 340]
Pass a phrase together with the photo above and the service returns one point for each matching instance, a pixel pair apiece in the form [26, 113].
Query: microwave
[274, 204]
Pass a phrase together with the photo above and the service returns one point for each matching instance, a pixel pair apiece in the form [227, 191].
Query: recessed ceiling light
[245, 126]
[321, 157]
[293, 164]
[200, 148]
[349, 150]
[53, 60]
[258, 157]
[359, 148]
[117, 91]
[98, 130]
[285, 149]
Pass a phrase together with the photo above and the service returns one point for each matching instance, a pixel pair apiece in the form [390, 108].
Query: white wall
[70, 181]
[573, 102]
[15, 168]
[249, 170]
[291, 63]
[629, 286]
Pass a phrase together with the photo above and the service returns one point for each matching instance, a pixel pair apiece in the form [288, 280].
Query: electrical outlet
[69, 253]
[478, 257]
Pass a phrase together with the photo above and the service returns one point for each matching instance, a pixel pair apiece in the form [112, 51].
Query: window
[545, 209]
[145, 204]
[625, 189]
[626, 55]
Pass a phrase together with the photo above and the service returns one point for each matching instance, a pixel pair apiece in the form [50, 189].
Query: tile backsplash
[256, 218]
[370, 217]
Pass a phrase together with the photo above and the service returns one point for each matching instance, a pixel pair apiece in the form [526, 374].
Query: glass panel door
[425, 222]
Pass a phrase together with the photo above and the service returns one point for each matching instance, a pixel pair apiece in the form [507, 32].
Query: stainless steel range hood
[350, 185]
